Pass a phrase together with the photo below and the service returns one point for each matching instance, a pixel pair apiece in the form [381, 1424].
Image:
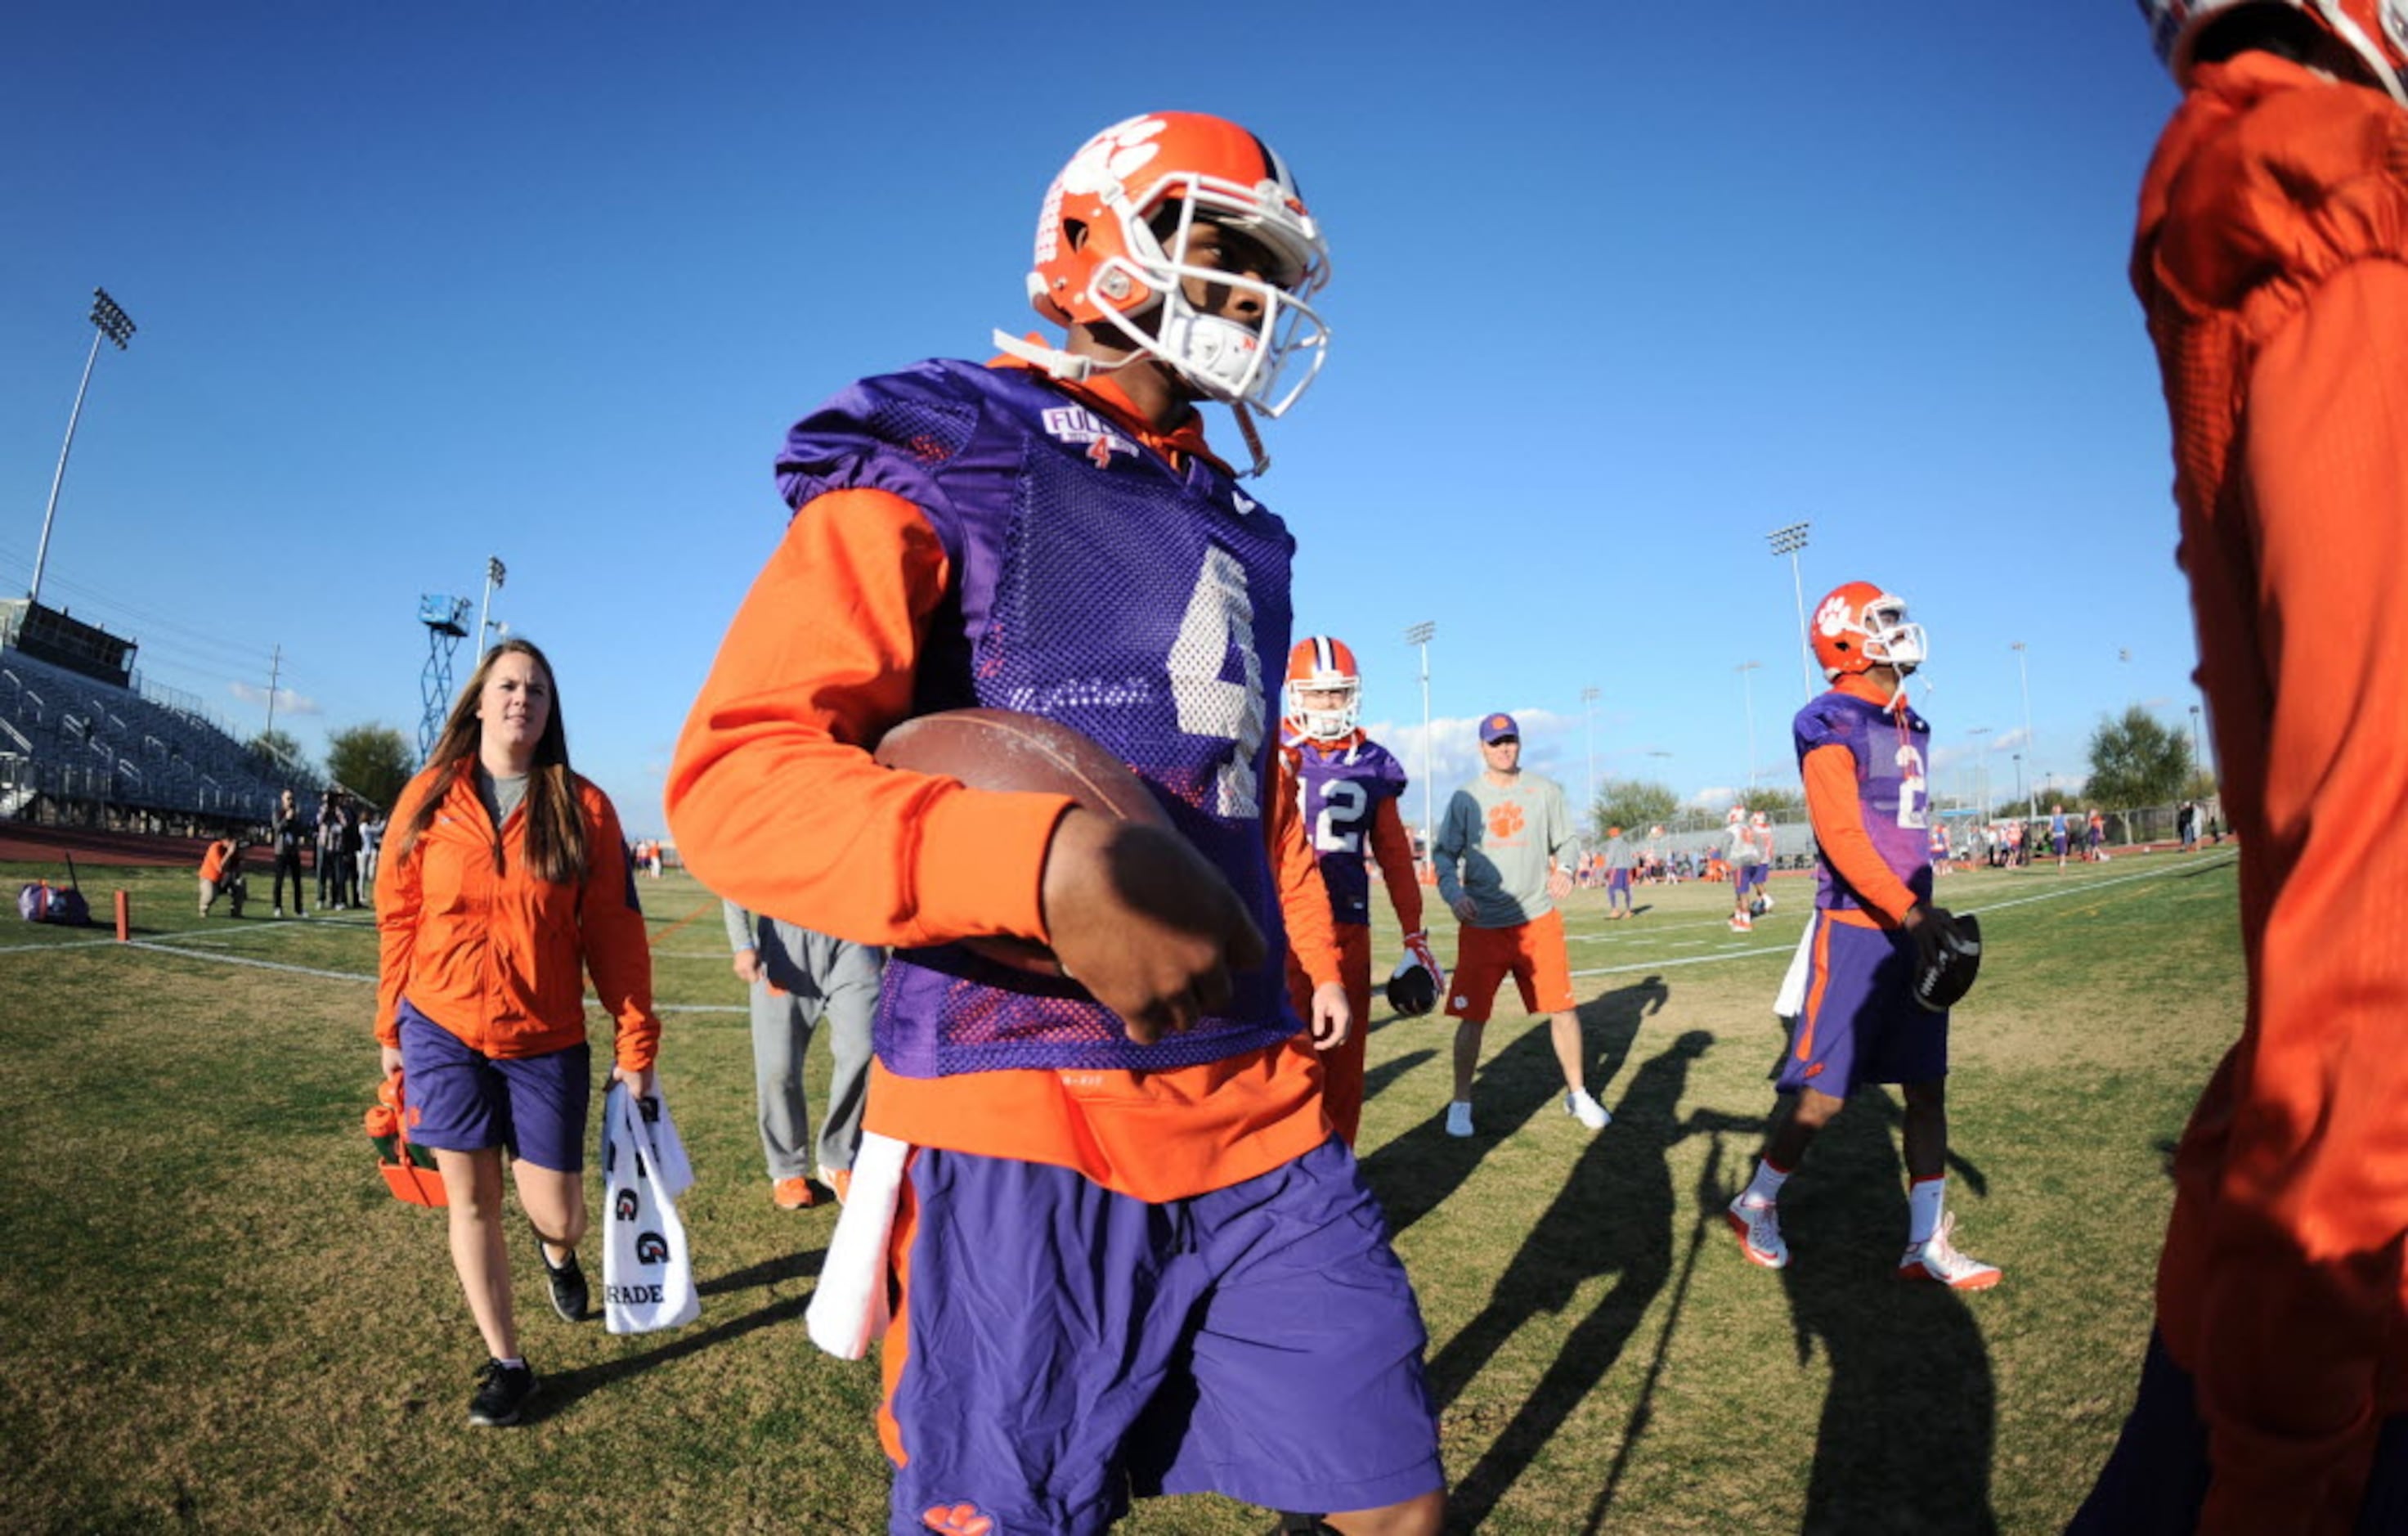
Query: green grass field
[217, 1319]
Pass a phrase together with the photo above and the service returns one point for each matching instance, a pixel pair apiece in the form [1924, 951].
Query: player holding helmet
[1861, 751]
[2272, 261]
[1347, 789]
[1142, 1151]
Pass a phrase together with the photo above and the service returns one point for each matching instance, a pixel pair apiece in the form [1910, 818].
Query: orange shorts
[1532, 953]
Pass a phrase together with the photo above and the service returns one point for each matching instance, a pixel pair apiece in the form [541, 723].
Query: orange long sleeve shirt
[1832, 806]
[777, 805]
[2272, 262]
[480, 946]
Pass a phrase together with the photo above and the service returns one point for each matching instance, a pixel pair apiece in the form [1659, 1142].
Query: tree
[1779, 802]
[278, 753]
[2136, 760]
[373, 762]
[1631, 804]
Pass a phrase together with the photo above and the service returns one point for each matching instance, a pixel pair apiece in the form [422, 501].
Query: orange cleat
[792, 1194]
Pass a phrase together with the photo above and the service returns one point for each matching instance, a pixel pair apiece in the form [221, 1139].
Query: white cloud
[287, 701]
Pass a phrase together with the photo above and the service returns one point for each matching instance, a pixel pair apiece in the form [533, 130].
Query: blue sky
[1616, 291]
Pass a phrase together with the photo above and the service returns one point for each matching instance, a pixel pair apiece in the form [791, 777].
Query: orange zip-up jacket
[213, 862]
[775, 803]
[2272, 262]
[497, 956]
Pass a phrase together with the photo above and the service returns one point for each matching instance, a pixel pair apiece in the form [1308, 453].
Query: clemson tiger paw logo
[1505, 821]
[1832, 617]
[958, 1520]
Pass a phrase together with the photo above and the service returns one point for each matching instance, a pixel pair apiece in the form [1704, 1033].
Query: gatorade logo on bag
[651, 1248]
[622, 1205]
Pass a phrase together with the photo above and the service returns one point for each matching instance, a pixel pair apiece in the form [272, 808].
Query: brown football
[1006, 749]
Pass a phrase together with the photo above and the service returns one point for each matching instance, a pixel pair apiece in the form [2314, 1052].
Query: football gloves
[1947, 957]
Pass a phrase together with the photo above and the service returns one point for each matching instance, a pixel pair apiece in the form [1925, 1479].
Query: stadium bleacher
[75, 748]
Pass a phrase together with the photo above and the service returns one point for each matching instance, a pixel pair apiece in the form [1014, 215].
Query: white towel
[848, 1309]
[1790, 1000]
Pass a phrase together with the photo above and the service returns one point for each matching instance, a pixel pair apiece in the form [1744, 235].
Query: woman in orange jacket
[506, 884]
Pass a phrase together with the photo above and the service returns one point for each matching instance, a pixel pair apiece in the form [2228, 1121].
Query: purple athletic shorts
[465, 1101]
[1066, 1345]
[1861, 1024]
[2057, 840]
[1617, 880]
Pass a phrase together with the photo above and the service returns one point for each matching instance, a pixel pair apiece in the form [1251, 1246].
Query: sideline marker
[125, 918]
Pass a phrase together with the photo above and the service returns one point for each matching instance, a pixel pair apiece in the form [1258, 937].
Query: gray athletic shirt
[1503, 837]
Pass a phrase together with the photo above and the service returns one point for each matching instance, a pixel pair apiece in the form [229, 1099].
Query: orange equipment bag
[408, 1169]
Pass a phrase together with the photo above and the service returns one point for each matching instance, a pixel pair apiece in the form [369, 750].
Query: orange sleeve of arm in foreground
[618, 951]
[773, 796]
[1394, 848]
[1831, 774]
[2300, 1303]
[1304, 900]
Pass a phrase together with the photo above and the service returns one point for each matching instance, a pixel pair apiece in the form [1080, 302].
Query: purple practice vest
[1892, 753]
[1338, 793]
[1092, 583]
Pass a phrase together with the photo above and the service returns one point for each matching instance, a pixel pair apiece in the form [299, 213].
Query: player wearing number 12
[1347, 787]
[1126, 1255]
[1861, 751]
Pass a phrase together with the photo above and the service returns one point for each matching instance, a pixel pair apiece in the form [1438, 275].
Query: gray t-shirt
[501, 795]
[1617, 854]
[1503, 837]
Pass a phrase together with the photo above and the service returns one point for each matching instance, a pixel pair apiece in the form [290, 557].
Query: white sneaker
[1758, 1225]
[1738, 924]
[1937, 1259]
[1458, 1117]
[1581, 1107]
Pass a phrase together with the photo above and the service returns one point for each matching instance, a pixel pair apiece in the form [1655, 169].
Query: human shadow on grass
[1907, 1431]
[562, 1389]
[1379, 1079]
[1414, 1173]
[781, 1269]
[1614, 1216]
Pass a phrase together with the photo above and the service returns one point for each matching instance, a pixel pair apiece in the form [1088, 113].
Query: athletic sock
[1925, 1198]
[515, 1362]
[1765, 1186]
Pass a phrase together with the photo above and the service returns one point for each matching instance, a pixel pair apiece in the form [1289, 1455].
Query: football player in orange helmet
[998, 536]
[1861, 751]
[2271, 262]
[1348, 789]
[1177, 250]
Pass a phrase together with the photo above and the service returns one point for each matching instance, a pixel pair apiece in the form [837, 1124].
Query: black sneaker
[569, 1292]
[502, 1394]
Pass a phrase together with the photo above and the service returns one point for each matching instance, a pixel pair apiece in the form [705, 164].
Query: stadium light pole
[1789, 541]
[1981, 733]
[494, 573]
[2023, 668]
[1747, 685]
[1588, 714]
[108, 323]
[1420, 635]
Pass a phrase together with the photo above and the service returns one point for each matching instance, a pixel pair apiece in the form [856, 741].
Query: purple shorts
[2057, 841]
[1757, 875]
[1065, 1346]
[1861, 1024]
[461, 1101]
[1617, 880]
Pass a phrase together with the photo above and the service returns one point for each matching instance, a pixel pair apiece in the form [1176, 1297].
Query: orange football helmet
[1858, 627]
[1321, 663]
[2374, 30]
[1111, 246]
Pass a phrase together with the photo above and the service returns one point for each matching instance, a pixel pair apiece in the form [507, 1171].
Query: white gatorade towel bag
[647, 1269]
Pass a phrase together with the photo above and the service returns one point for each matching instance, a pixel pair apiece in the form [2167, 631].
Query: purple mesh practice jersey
[1095, 585]
[1339, 792]
[1891, 752]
